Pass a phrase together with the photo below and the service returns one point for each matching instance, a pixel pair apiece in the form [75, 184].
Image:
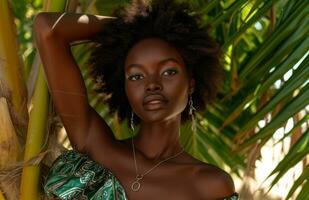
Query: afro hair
[169, 21]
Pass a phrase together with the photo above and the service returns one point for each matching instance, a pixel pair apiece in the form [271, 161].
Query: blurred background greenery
[262, 106]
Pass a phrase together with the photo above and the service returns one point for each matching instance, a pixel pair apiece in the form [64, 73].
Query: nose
[153, 85]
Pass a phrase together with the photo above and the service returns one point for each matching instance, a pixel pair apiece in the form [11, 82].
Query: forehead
[151, 50]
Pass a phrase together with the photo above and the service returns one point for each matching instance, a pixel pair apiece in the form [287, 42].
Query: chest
[163, 183]
[163, 188]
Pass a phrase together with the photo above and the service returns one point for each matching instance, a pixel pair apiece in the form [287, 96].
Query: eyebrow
[160, 63]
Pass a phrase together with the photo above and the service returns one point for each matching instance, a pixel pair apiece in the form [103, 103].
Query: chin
[156, 118]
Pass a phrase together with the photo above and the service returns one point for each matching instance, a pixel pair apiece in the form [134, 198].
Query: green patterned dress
[75, 176]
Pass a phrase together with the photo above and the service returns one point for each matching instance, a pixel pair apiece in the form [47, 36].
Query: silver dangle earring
[132, 121]
[191, 113]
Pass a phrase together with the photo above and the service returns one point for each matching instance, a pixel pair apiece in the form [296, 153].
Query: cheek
[183, 98]
[179, 91]
[133, 93]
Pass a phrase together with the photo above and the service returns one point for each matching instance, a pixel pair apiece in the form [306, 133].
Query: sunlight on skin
[58, 20]
[83, 19]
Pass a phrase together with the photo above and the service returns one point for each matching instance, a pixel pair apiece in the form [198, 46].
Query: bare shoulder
[213, 182]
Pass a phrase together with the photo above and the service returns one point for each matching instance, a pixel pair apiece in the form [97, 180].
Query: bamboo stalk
[35, 137]
[37, 125]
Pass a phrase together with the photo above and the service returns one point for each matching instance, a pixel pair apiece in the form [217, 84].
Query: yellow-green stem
[37, 125]
[35, 139]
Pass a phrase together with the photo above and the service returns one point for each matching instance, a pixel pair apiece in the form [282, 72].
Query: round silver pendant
[135, 186]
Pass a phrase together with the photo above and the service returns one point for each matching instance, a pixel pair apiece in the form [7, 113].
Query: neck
[157, 141]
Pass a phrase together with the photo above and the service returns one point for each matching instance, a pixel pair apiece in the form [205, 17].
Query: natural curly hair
[169, 21]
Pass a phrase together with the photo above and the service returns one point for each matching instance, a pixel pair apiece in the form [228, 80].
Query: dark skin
[157, 86]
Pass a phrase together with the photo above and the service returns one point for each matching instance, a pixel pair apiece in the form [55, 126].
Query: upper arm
[215, 183]
[65, 82]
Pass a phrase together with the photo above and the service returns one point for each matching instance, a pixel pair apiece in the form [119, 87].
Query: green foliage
[263, 41]
[24, 12]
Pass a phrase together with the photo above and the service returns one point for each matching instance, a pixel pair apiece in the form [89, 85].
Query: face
[156, 81]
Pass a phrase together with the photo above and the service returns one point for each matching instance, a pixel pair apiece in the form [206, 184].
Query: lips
[154, 101]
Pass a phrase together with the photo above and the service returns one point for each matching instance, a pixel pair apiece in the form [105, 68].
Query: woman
[158, 67]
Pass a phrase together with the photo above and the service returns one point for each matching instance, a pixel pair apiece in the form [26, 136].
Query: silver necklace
[135, 186]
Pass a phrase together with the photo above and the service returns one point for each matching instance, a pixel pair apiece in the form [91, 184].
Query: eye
[135, 77]
[170, 72]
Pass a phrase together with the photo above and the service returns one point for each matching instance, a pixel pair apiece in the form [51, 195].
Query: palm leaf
[290, 110]
[296, 81]
[295, 155]
[301, 179]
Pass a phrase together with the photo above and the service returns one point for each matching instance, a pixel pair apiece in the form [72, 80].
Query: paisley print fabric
[233, 197]
[75, 176]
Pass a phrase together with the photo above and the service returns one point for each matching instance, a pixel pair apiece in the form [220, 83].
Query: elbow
[42, 26]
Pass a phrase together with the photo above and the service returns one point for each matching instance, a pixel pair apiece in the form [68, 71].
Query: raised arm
[53, 34]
